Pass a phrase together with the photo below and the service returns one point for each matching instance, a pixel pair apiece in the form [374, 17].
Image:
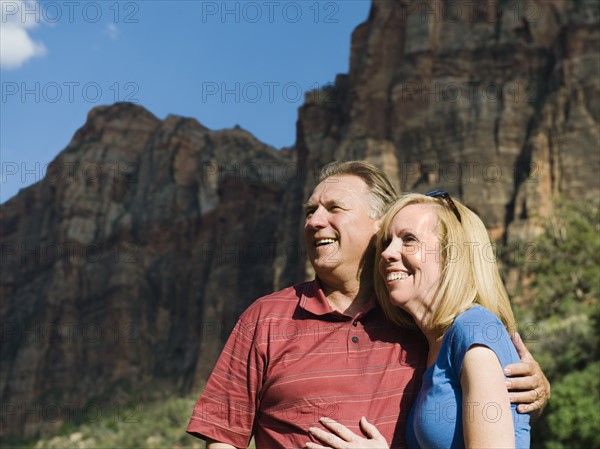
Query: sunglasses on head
[445, 196]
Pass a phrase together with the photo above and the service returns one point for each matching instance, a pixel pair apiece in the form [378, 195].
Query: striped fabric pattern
[291, 359]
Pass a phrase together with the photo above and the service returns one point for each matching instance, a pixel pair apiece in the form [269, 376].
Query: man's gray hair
[381, 189]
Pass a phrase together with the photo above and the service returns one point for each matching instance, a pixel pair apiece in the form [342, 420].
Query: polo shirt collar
[313, 300]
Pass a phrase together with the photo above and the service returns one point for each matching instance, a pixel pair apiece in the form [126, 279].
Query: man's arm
[237, 371]
[527, 383]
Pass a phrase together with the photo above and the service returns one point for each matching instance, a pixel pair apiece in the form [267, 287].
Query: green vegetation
[573, 415]
[159, 424]
[561, 307]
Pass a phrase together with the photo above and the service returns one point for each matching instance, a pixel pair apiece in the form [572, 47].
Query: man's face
[338, 229]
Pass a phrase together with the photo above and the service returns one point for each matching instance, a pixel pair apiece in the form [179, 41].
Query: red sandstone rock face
[129, 264]
[497, 103]
[132, 266]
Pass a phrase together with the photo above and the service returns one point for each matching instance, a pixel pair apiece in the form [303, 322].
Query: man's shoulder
[293, 291]
[287, 294]
[282, 301]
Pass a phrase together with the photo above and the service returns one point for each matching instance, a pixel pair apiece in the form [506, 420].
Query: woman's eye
[409, 239]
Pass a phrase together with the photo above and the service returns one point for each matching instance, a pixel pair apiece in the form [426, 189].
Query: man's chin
[323, 266]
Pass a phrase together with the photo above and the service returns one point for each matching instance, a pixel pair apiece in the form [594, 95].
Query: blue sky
[224, 63]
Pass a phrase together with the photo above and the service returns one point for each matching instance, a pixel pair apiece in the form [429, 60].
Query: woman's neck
[424, 320]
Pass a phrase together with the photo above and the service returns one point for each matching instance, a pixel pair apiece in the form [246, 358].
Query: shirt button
[354, 339]
[355, 323]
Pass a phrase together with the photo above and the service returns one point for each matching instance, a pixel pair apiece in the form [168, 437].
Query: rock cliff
[495, 101]
[127, 266]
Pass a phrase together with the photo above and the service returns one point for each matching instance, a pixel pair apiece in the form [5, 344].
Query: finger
[338, 429]
[327, 438]
[520, 369]
[522, 383]
[528, 408]
[526, 397]
[522, 350]
[370, 430]
[310, 445]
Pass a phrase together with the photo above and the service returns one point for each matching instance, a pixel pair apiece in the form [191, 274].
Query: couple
[328, 348]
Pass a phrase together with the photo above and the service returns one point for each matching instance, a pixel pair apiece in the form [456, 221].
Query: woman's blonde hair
[469, 274]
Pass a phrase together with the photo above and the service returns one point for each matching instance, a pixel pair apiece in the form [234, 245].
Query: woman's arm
[487, 417]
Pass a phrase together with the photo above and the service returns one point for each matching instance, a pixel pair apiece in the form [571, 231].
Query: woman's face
[411, 260]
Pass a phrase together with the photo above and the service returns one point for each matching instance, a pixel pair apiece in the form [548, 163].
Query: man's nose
[318, 219]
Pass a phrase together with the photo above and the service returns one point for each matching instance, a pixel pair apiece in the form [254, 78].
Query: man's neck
[349, 297]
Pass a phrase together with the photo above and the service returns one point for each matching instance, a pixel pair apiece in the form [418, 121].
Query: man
[324, 348]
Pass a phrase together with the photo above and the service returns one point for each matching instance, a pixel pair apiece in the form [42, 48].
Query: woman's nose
[392, 251]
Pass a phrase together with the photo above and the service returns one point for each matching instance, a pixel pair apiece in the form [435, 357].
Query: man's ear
[376, 225]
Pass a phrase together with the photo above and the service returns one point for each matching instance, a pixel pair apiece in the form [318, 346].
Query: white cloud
[16, 45]
[112, 31]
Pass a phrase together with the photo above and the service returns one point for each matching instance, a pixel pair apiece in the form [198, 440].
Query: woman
[437, 271]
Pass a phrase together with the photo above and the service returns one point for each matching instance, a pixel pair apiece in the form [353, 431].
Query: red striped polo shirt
[292, 359]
